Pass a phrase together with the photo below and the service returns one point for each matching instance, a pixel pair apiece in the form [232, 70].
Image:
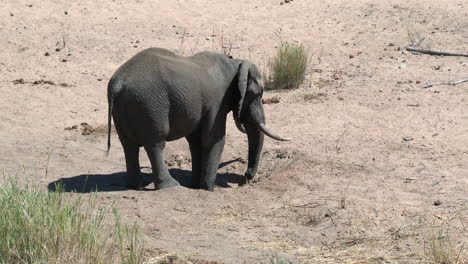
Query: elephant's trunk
[255, 138]
[240, 126]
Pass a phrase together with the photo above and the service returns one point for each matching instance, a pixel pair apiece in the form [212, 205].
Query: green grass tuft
[287, 69]
[37, 226]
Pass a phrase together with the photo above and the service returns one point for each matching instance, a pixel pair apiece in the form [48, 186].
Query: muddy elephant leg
[134, 177]
[211, 156]
[162, 178]
[196, 152]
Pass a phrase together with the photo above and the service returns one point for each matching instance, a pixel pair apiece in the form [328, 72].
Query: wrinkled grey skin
[158, 96]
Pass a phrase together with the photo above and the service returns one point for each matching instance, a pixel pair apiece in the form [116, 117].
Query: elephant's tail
[109, 127]
[113, 88]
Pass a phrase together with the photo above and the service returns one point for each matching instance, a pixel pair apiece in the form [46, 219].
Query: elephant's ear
[242, 86]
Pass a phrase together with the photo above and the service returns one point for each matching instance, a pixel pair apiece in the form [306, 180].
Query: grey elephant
[158, 96]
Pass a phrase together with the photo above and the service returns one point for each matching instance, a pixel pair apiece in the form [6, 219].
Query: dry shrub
[287, 69]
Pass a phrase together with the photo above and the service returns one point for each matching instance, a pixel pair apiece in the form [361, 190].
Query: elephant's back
[159, 99]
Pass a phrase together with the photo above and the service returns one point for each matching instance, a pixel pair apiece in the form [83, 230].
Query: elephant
[158, 96]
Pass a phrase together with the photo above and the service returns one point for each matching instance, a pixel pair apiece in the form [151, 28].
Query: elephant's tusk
[267, 132]
[240, 126]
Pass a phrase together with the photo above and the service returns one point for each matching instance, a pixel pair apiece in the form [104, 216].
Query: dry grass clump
[279, 260]
[440, 250]
[37, 226]
[287, 69]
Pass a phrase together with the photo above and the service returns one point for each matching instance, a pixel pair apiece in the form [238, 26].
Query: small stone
[19, 81]
[437, 202]
[391, 44]
[66, 13]
[46, 54]
[57, 49]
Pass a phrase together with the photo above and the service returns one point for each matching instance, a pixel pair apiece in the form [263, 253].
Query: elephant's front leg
[162, 177]
[211, 156]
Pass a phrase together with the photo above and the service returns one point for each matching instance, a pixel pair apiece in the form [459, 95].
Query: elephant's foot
[135, 182]
[195, 185]
[166, 183]
[205, 186]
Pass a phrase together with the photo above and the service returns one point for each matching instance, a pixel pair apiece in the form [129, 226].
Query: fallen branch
[446, 83]
[436, 53]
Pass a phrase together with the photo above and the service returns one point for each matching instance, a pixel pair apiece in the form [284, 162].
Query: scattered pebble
[272, 100]
[19, 81]
[71, 127]
[437, 202]
[41, 81]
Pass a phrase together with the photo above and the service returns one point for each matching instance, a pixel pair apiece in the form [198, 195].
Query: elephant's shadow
[115, 182]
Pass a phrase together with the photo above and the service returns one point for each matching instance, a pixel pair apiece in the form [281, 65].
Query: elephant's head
[249, 115]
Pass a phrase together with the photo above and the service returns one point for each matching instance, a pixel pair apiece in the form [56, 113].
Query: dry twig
[436, 53]
[446, 83]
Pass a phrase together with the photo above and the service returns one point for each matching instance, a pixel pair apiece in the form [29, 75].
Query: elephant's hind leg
[134, 178]
[196, 152]
[161, 176]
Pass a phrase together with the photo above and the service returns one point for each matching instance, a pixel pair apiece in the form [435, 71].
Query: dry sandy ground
[378, 165]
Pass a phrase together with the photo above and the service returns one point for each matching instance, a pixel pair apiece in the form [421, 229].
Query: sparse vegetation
[37, 226]
[440, 250]
[279, 260]
[314, 96]
[287, 69]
